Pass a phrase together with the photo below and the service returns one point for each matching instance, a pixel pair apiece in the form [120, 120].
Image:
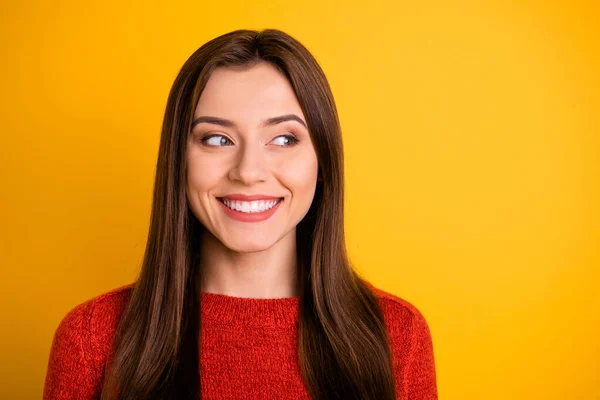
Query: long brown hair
[343, 347]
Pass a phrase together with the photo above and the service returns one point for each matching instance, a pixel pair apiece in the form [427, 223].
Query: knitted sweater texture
[248, 348]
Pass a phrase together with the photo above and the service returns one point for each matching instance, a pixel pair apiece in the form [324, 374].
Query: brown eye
[215, 140]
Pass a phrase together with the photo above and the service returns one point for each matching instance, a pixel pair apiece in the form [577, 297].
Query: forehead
[247, 94]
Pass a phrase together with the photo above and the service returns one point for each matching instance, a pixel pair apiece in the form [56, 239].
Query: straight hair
[343, 348]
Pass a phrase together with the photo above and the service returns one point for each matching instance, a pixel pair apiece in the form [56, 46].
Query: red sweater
[248, 348]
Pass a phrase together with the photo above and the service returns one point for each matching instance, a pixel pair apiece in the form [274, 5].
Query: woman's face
[249, 138]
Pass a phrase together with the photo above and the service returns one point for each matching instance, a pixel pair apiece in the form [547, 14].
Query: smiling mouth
[250, 207]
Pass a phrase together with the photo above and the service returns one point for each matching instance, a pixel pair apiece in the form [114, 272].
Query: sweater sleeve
[420, 375]
[71, 374]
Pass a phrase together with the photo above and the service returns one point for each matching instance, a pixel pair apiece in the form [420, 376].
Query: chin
[247, 245]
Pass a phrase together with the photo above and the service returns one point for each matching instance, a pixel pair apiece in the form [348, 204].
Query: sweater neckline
[225, 309]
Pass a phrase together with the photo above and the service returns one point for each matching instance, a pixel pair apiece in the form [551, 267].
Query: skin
[250, 259]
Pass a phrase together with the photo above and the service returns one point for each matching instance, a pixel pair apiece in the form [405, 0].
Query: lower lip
[250, 217]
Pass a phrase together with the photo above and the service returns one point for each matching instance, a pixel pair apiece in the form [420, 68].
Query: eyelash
[294, 139]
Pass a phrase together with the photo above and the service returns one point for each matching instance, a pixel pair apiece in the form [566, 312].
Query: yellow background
[472, 139]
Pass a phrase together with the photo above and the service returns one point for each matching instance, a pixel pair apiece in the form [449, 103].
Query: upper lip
[244, 197]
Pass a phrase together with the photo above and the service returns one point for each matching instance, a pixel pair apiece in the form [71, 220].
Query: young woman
[246, 290]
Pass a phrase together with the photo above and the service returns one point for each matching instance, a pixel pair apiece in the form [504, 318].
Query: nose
[250, 166]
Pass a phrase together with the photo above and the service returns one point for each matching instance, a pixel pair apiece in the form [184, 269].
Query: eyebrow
[268, 122]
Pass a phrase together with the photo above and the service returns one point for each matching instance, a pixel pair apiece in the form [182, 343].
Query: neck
[269, 273]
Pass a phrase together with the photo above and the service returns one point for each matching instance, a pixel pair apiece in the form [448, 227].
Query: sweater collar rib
[227, 309]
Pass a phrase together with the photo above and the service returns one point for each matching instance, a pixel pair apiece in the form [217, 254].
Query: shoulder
[81, 345]
[411, 345]
[407, 328]
[94, 320]
[96, 316]
[399, 313]
[105, 312]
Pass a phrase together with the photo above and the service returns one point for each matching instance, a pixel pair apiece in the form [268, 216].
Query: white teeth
[250, 207]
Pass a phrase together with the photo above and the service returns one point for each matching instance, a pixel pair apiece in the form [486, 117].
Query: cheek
[202, 176]
[299, 174]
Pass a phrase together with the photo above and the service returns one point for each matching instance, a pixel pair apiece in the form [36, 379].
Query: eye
[288, 140]
[215, 140]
